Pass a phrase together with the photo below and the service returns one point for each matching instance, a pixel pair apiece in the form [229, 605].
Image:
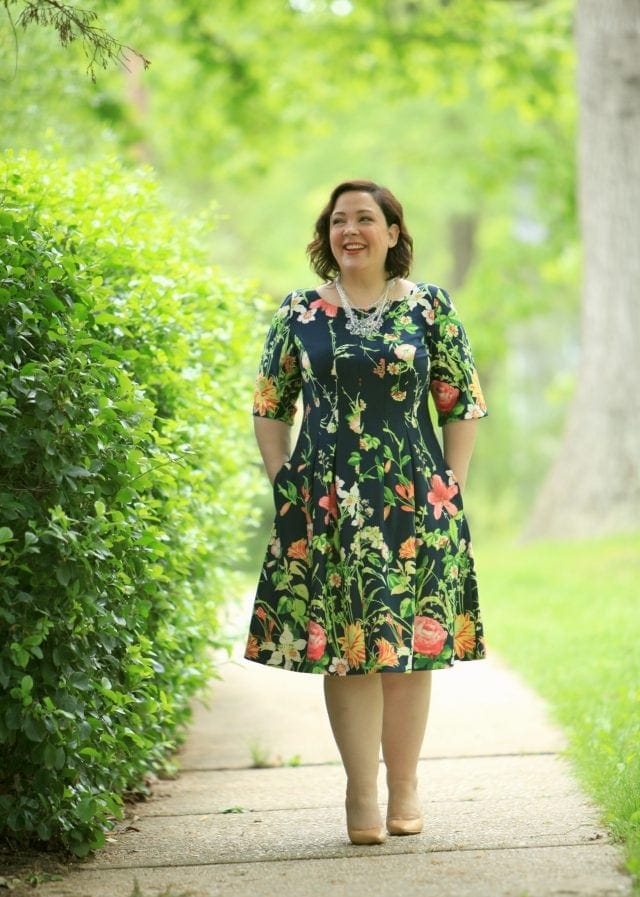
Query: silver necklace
[368, 324]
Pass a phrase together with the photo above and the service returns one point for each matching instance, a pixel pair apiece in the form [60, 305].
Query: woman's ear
[394, 233]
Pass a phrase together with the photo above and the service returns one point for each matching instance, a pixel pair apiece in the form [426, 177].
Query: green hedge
[125, 485]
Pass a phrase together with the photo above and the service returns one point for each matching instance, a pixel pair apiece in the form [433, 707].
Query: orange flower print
[253, 648]
[386, 654]
[380, 368]
[476, 390]
[290, 363]
[408, 547]
[261, 613]
[440, 496]
[464, 635]
[298, 550]
[398, 394]
[352, 644]
[406, 493]
[265, 396]
[330, 504]
[330, 310]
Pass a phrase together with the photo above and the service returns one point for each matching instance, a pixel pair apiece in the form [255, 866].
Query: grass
[262, 758]
[168, 892]
[566, 615]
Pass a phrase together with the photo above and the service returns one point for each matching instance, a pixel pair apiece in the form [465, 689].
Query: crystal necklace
[368, 324]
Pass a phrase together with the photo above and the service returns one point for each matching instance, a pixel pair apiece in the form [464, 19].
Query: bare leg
[406, 708]
[354, 704]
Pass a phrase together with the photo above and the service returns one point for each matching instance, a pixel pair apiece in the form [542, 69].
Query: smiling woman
[369, 566]
[380, 216]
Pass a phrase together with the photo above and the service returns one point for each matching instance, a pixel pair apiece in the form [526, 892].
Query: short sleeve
[279, 380]
[454, 382]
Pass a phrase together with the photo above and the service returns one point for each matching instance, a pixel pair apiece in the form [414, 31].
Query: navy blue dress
[369, 566]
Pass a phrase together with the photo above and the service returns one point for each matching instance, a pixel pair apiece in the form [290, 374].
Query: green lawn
[566, 615]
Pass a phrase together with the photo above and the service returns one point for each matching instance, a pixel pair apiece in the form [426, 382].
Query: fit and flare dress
[369, 565]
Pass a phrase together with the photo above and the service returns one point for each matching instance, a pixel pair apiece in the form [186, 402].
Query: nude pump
[405, 826]
[367, 835]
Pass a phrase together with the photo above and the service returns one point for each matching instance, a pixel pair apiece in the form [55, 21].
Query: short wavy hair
[399, 257]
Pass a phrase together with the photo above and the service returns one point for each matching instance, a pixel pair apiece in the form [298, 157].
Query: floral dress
[369, 565]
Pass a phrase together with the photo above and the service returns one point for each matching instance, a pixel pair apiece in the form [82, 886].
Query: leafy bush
[124, 379]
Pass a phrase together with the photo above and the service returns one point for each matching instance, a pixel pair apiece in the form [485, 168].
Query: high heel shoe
[367, 835]
[405, 826]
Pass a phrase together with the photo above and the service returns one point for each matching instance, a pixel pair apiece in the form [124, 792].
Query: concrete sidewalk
[504, 818]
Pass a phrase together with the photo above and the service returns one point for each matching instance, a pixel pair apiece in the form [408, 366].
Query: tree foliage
[122, 384]
[465, 109]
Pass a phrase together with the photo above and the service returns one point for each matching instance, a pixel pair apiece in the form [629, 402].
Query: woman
[369, 567]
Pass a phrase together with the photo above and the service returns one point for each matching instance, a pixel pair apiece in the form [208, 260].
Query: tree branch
[72, 24]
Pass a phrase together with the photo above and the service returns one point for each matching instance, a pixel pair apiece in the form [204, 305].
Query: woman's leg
[354, 705]
[406, 708]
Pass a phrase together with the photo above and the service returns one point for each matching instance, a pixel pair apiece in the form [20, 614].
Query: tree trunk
[594, 485]
[137, 91]
[463, 230]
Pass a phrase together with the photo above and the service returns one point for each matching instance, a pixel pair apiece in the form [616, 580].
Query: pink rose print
[428, 636]
[405, 352]
[444, 395]
[317, 641]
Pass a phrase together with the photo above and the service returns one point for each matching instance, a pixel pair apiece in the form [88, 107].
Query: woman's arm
[458, 438]
[274, 441]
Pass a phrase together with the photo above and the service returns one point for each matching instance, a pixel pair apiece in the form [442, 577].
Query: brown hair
[399, 257]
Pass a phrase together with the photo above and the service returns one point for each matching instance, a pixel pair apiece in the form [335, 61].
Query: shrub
[124, 476]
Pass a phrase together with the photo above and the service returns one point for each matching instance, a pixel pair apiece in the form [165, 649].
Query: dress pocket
[280, 474]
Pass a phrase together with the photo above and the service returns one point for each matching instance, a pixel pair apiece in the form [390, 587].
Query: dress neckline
[418, 288]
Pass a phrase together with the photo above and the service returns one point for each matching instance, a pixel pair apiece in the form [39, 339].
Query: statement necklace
[365, 325]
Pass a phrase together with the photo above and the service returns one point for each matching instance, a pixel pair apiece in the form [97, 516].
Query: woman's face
[359, 235]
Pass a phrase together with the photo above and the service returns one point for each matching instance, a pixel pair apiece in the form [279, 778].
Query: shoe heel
[405, 826]
[366, 835]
